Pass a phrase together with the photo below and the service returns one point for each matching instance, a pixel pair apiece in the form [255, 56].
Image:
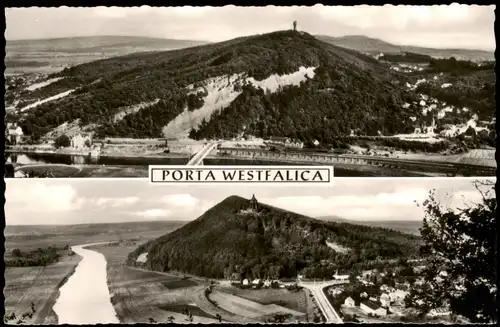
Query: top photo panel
[374, 91]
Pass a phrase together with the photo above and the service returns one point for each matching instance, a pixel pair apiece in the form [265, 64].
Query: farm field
[251, 309]
[40, 284]
[292, 300]
[137, 295]
[29, 238]
[37, 285]
[141, 296]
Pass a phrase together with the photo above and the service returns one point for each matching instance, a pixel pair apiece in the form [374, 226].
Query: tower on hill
[254, 205]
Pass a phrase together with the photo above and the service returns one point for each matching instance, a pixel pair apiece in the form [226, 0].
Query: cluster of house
[14, 133]
[286, 142]
[426, 129]
[390, 299]
[341, 278]
[407, 68]
[257, 282]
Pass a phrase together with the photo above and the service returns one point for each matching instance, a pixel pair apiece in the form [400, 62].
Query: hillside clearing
[38, 85]
[221, 92]
[52, 98]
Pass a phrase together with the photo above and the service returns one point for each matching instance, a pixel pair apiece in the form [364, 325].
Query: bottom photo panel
[364, 250]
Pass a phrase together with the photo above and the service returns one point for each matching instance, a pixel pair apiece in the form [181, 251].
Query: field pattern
[294, 300]
[248, 308]
[139, 295]
[37, 285]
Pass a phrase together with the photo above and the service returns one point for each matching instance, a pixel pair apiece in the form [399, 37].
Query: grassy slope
[257, 244]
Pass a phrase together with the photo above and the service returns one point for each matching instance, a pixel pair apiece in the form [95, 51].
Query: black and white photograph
[89, 251]
[375, 91]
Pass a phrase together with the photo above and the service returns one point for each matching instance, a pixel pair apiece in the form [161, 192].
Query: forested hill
[257, 80]
[270, 242]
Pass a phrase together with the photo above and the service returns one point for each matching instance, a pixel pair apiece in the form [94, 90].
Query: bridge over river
[197, 159]
[304, 158]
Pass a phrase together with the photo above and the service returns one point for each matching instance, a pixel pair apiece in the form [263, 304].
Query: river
[142, 163]
[85, 298]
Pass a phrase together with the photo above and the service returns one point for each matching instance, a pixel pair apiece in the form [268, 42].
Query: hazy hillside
[20, 231]
[271, 242]
[404, 226]
[89, 44]
[48, 55]
[375, 46]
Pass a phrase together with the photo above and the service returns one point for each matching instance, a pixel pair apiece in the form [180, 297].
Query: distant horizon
[105, 35]
[492, 50]
[90, 201]
[187, 221]
[454, 26]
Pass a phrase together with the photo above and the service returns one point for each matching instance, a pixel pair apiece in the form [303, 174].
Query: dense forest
[406, 57]
[325, 107]
[270, 242]
[348, 87]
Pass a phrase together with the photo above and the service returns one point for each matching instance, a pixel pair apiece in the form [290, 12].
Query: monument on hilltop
[254, 205]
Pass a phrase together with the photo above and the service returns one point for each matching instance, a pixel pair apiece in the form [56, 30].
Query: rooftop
[370, 304]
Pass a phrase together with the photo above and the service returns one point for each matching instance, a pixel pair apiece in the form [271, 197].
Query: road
[325, 306]
[197, 159]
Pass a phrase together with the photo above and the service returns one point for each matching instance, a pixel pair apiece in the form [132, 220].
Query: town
[372, 296]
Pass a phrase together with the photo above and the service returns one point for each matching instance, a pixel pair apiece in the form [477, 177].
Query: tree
[461, 246]
[62, 141]
[16, 253]
[294, 25]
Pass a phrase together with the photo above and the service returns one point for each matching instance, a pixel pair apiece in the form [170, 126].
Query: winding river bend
[85, 298]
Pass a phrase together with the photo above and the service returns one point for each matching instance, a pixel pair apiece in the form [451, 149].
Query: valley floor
[141, 296]
[37, 285]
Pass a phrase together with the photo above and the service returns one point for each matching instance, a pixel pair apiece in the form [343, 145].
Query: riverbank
[37, 285]
[144, 296]
[340, 170]
[103, 154]
[77, 300]
[52, 316]
[114, 166]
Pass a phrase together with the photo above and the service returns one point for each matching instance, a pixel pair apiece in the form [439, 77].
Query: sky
[452, 26]
[78, 201]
